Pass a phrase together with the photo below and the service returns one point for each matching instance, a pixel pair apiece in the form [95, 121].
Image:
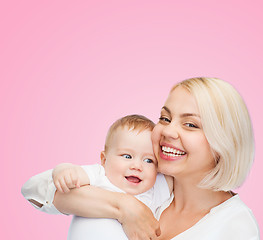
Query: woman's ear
[103, 158]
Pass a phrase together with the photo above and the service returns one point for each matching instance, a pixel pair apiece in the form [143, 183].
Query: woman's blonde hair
[228, 129]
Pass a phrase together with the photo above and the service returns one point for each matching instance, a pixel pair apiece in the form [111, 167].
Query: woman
[208, 123]
[204, 140]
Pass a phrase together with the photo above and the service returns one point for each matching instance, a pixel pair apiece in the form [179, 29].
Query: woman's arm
[87, 201]
[136, 218]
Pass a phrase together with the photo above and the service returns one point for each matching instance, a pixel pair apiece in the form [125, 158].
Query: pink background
[70, 68]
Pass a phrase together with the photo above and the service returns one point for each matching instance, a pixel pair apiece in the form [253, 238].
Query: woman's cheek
[156, 135]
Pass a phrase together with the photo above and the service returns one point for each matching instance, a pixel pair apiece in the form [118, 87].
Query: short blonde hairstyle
[228, 129]
[132, 122]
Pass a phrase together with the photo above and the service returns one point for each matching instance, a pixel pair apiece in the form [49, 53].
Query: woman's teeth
[171, 152]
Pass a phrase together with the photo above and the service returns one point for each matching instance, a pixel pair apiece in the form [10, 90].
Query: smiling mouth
[172, 152]
[133, 179]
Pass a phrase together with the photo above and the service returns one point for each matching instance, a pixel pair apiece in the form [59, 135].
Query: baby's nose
[136, 164]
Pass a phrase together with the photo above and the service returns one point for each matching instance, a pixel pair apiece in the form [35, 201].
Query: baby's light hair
[132, 122]
[228, 129]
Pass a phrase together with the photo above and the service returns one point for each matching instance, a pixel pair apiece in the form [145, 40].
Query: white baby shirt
[42, 189]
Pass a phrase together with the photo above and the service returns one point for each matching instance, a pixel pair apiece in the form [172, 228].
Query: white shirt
[230, 220]
[42, 189]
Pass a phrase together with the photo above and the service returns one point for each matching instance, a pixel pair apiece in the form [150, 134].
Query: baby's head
[128, 156]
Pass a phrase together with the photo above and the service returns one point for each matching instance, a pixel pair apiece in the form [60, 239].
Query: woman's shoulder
[236, 215]
[233, 205]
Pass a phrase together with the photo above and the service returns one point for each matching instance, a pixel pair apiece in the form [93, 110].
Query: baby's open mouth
[133, 179]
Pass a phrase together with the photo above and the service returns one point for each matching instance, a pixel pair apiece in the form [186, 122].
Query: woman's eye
[164, 119]
[191, 125]
[148, 160]
[128, 156]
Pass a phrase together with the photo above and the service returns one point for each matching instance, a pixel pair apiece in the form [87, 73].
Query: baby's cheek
[155, 138]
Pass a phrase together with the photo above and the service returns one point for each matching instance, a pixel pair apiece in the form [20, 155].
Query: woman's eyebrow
[190, 115]
[166, 109]
[183, 114]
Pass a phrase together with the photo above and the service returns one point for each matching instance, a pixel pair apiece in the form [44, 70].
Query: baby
[127, 165]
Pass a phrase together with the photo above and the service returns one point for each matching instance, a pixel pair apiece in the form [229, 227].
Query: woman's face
[179, 142]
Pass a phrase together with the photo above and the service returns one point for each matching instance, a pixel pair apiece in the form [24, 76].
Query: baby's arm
[67, 176]
[137, 219]
[40, 189]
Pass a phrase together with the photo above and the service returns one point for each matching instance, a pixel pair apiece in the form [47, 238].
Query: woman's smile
[170, 153]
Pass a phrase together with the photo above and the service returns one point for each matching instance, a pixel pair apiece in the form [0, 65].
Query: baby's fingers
[69, 181]
[64, 186]
[58, 186]
[75, 180]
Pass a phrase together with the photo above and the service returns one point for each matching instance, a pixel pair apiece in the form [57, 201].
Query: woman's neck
[190, 198]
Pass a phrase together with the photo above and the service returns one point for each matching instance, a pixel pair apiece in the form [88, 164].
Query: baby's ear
[103, 158]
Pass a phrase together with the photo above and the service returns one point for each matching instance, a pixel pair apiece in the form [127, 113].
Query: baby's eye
[164, 119]
[148, 160]
[128, 156]
[191, 125]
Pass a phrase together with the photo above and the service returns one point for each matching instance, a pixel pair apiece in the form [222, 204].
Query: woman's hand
[137, 219]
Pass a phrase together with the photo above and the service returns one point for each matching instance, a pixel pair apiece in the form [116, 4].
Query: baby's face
[130, 163]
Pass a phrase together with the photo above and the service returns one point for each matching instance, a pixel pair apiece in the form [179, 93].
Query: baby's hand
[67, 176]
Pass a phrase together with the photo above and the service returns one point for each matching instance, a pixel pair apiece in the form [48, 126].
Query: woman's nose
[171, 131]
